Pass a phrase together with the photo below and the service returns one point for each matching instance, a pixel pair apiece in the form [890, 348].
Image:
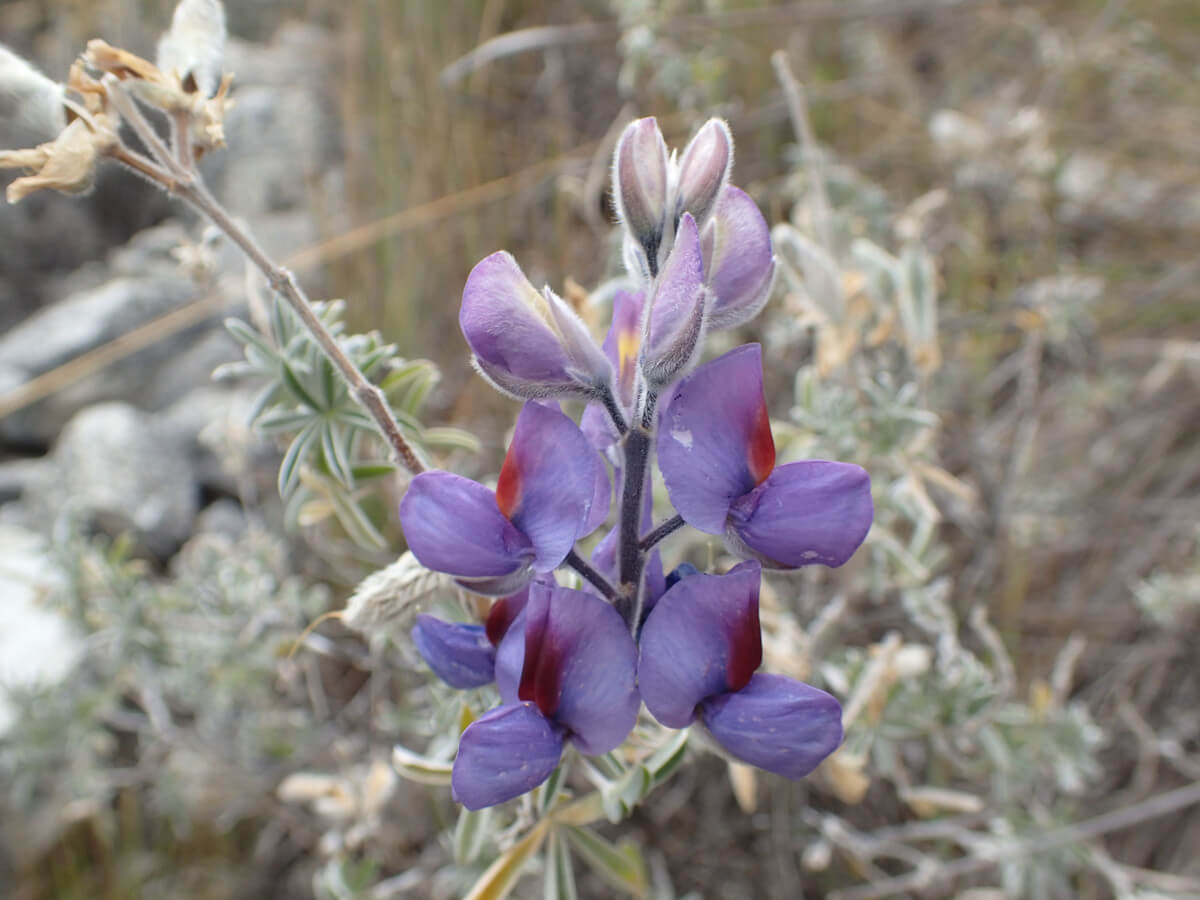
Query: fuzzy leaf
[621, 865]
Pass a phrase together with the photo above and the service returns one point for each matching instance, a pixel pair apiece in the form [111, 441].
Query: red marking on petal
[761, 452]
[508, 486]
[745, 651]
[501, 616]
[541, 676]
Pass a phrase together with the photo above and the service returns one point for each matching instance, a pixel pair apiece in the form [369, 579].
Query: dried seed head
[191, 49]
[392, 594]
[28, 98]
[68, 163]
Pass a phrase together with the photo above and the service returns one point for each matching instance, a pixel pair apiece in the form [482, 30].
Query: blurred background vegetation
[1043, 154]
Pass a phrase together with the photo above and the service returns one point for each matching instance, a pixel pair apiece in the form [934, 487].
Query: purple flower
[704, 169]
[459, 654]
[575, 682]
[493, 542]
[738, 264]
[525, 343]
[675, 323]
[700, 649]
[717, 458]
[641, 182]
[464, 655]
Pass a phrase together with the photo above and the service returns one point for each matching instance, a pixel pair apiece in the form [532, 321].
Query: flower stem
[284, 283]
[629, 552]
[668, 527]
[614, 411]
[172, 171]
[580, 565]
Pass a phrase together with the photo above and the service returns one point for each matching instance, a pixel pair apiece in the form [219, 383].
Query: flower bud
[640, 177]
[738, 263]
[704, 169]
[675, 324]
[527, 344]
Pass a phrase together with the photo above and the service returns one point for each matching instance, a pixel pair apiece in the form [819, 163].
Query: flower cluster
[576, 665]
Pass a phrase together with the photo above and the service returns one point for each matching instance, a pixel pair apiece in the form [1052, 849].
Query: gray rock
[122, 472]
[147, 283]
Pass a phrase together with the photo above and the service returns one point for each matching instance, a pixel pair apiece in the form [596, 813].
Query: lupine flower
[675, 322]
[700, 649]
[738, 264]
[622, 345]
[464, 655]
[641, 184]
[528, 344]
[575, 682]
[717, 457]
[704, 170]
[494, 542]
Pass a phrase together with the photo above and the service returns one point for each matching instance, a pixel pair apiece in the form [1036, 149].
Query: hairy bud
[640, 175]
[193, 46]
[28, 98]
[704, 169]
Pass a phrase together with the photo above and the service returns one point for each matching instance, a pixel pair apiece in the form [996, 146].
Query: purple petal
[778, 724]
[528, 344]
[804, 513]
[461, 655]
[510, 659]
[547, 483]
[453, 525]
[701, 640]
[714, 438]
[601, 500]
[675, 324]
[623, 342]
[579, 666]
[738, 262]
[507, 324]
[503, 754]
[704, 168]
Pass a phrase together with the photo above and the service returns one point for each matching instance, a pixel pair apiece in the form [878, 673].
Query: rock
[146, 284]
[122, 472]
[38, 646]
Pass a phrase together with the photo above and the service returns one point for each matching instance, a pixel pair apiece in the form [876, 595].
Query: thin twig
[284, 283]
[670, 526]
[797, 103]
[580, 565]
[1089, 829]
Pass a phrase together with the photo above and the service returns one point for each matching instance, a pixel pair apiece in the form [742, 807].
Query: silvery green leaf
[334, 447]
[663, 763]
[420, 769]
[356, 522]
[548, 791]
[621, 865]
[300, 447]
[471, 834]
[247, 335]
[560, 873]
[291, 381]
[450, 438]
[822, 280]
[502, 875]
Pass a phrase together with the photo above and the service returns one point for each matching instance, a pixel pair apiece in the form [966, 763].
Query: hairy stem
[580, 565]
[284, 283]
[614, 411]
[629, 551]
[668, 527]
